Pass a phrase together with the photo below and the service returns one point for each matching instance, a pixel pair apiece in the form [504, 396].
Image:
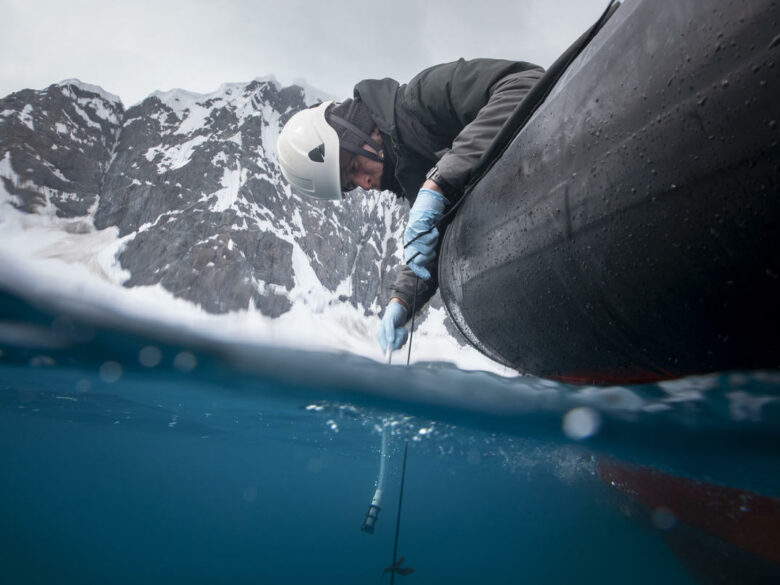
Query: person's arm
[463, 105]
[456, 165]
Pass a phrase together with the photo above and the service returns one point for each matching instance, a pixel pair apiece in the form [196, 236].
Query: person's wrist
[400, 302]
[442, 185]
[433, 186]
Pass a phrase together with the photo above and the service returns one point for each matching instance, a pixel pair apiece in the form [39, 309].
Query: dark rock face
[58, 142]
[192, 185]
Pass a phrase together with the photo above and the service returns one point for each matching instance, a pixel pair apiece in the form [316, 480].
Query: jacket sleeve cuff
[400, 301]
[437, 177]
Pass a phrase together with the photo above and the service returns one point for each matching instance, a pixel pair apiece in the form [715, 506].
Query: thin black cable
[398, 520]
[414, 310]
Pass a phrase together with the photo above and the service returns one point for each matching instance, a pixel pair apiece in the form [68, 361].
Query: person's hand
[391, 333]
[421, 235]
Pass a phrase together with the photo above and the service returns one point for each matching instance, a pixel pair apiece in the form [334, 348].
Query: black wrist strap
[435, 176]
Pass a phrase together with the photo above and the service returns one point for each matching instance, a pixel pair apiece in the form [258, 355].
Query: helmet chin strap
[378, 156]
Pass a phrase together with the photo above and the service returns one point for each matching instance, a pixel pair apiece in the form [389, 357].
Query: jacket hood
[379, 96]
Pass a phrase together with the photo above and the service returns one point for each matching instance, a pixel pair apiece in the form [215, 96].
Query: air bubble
[149, 356]
[581, 422]
[185, 361]
[110, 372]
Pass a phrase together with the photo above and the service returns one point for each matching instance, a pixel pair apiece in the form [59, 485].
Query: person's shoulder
[464, 66]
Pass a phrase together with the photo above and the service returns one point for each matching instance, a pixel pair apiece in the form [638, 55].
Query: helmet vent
[317, 154]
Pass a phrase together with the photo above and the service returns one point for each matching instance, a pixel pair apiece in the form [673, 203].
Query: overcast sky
[134, 48]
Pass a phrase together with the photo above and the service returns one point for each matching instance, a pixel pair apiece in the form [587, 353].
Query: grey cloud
[133, 49]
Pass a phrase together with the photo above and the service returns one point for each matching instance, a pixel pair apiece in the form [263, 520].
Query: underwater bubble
[663, 518]
[185, 361]
[83, 385]
[149, 356]
[110, 371]
[581, 422]
[250, 494]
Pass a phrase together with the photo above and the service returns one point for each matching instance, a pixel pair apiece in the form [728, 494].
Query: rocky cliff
[191, 185]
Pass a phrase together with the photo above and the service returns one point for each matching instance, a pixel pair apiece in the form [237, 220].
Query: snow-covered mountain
[179, 198]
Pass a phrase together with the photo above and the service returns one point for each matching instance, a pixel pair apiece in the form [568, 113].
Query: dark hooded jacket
[426, 123]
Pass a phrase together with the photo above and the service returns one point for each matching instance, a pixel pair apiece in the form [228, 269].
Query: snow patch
[25, 117]
[7, 172]
[311, 94]
[109, 97]
[84, 116]
[232, 179]
[193, 119]
[176, 156]
[98, 107]
[269, 134]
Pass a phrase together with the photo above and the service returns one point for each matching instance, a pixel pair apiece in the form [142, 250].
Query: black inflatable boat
[629, 230]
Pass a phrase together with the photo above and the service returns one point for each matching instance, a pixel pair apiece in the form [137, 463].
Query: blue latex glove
[421, 235]
[391, 331]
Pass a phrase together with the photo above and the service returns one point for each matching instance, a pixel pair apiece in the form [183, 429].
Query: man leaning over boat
[421, 140]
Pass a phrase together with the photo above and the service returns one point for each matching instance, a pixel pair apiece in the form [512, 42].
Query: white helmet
[308, 154]
[308, 149]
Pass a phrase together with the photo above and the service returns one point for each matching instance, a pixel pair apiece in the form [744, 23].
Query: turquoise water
[134, 453]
